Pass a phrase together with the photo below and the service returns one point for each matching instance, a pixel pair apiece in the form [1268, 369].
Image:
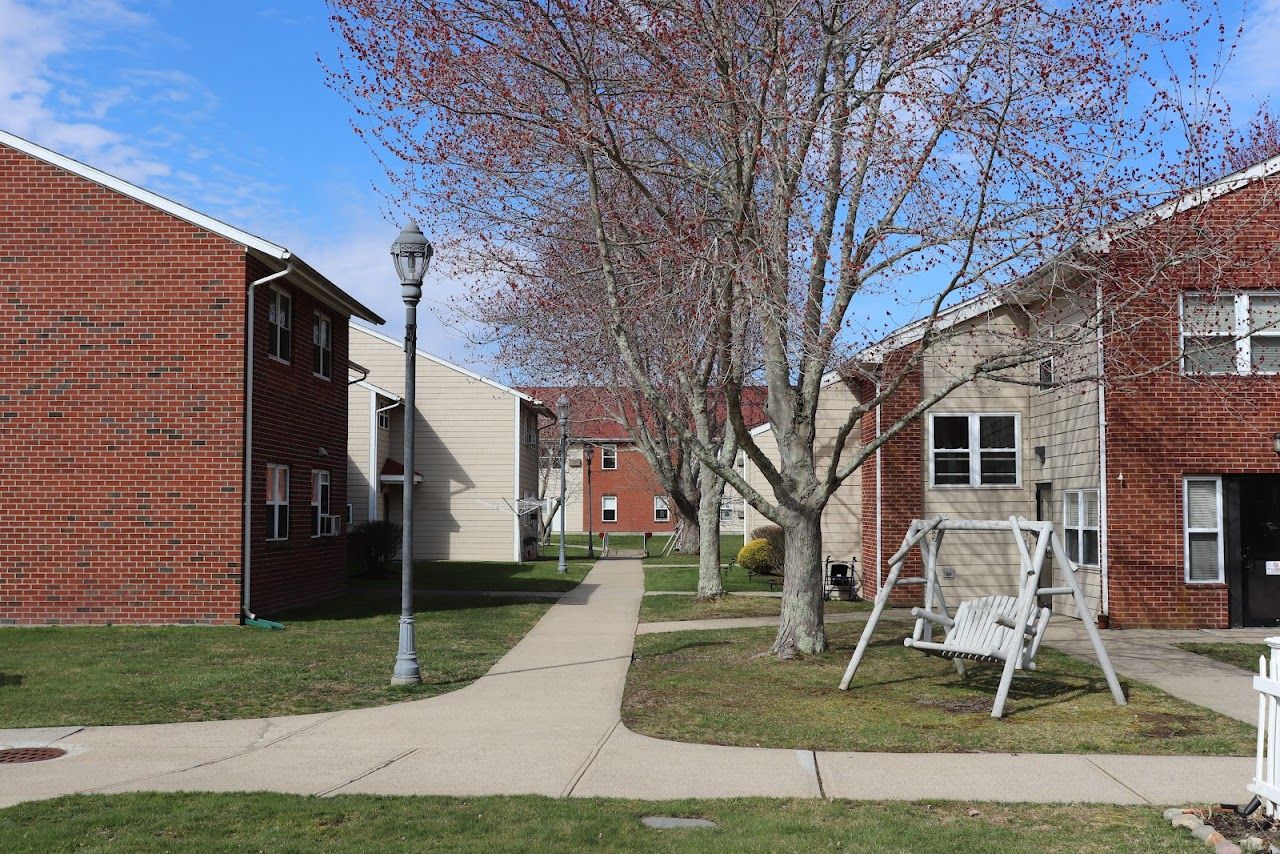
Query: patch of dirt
[959, 705]
[1236, 827]
[1165, 725]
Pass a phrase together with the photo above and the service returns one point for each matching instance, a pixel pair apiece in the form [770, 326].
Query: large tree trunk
[801, 631]
[709, 584]
[690, 533]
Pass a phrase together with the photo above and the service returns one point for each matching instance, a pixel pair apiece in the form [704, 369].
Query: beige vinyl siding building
[842, 519]
[475, 458]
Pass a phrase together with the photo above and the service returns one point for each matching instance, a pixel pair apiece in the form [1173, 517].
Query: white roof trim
[760, 430]
[155, 200]
[443, 363]
[390, 395]
[945, 319]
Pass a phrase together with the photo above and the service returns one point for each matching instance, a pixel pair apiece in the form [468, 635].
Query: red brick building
[1164, 479]
[125, 424]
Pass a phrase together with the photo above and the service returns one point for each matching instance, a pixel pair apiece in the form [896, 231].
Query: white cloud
[36, 105]
[1255, 70]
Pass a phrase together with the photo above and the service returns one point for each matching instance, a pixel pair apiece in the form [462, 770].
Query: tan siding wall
[982, 563]
[1065, 422]
[465, 454]
[842, 519]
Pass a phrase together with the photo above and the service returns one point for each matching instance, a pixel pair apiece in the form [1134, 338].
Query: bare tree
[770, 177]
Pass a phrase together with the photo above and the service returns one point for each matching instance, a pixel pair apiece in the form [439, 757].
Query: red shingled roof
[589, 409]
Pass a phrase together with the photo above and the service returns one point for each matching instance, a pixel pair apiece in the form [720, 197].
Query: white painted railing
[1267, 763]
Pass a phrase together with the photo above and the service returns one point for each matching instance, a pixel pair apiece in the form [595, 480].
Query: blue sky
[223, 106]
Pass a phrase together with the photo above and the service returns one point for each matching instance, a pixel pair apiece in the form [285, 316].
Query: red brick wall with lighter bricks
[120, 407]
[295, 415]
[1164, 426]
[902, 492]
[635, 485]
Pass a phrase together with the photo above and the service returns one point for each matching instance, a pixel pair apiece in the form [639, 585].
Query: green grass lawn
[730, 545]
[1242, 655]
[337, 655]
[685, 579]
[716, 687]
[657, 609]
[199, 822]
[485, 575]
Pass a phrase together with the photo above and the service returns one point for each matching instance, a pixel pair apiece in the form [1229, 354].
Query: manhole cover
[30, 754]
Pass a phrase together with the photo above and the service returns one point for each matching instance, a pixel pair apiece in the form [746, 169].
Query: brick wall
[635, 485]
[120, 407]
[1162, 426]
[295, 415]
[902, 492]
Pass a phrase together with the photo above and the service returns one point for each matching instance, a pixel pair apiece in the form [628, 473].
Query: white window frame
[604, 500]
[1187, 531]
[608, 457]
[322, 321]
[320, 480]
[384, 420]
[279, 306]
[975, 451]
[1078, 524]
[1041, 385]
[274, 502]
[661, 503]
[1244, 337]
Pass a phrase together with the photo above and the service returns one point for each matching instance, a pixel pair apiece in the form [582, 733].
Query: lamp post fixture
[562, 415]
[411, 253]
[588, 454]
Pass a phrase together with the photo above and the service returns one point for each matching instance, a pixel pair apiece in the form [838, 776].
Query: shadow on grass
[378, 599]
[10, 679]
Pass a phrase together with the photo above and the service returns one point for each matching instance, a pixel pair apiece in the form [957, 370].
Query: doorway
[1253, 549]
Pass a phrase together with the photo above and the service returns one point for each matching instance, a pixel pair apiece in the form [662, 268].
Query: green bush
[374, 544]
[776, 537]
[757, 557]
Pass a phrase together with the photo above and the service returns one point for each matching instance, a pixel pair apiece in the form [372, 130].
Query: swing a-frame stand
[1004, 630]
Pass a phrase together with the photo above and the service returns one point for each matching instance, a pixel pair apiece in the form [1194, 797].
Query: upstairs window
[974, 450]
[277, 502]
[384, 420]
[661, 510]
[1231, 333]
[322, 352]
[1080, 522]
[279, 324]
[608, 457]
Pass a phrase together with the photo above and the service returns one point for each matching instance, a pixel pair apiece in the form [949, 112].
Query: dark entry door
[1044, 513]
[1259, 550]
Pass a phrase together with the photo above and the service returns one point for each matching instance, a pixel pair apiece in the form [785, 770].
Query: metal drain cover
[30, 754]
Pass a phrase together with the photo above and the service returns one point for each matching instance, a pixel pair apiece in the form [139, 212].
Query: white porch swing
[997, 629]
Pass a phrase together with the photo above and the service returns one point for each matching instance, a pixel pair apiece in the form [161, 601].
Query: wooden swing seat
[980, 629]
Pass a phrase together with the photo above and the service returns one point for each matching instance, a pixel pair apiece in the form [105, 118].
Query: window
[279, 324]
[384, 420]
[608, 457]
[1202, 522]
[974, 450]
[726, 513]
[608, 508]
[531, 430]
[1231, 333]
[1080, 522]
[1045, 380]
[321, 523]
[661, 511]
[322, 353]
[277, 502]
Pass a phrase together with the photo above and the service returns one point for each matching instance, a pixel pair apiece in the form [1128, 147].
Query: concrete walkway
[546, 720]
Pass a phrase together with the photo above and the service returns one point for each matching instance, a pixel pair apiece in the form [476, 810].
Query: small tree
[374, 544]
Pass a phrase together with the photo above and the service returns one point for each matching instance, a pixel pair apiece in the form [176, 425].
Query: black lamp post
[411, 253]
[588, 454]
[562, 415]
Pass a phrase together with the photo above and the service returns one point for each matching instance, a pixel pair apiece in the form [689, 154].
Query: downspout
[374, 412]
[246, 561]
[1102, 468]
[879, 503]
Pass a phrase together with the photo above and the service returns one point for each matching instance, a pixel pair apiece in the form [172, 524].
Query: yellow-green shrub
[757, 556]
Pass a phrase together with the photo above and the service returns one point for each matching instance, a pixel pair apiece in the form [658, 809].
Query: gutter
[1102, 470]
[246, 534]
